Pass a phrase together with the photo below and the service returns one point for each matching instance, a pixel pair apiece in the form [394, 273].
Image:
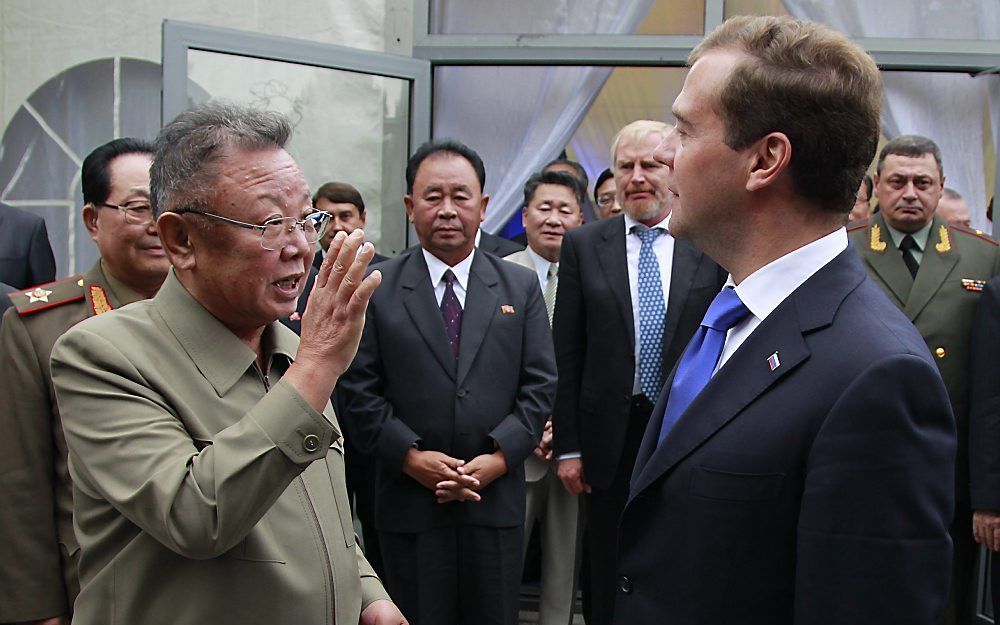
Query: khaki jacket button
[310, 443]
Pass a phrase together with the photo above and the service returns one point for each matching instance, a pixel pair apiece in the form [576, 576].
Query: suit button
[625, 585]
[462, 392]
[939, 352]
[310, 443]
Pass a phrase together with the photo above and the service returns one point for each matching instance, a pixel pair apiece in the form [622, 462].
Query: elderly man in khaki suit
[552, 202]
[38, 550]
[207, 465]
[934, 272]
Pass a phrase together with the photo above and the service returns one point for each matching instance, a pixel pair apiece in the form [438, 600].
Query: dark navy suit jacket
[816, 493]
[25, 253]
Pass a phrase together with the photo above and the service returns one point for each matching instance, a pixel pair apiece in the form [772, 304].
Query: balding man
[207, 464]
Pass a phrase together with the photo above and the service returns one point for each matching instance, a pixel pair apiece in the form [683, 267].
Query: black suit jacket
[406, 387]
[984, 416]
[498, 246]
[25, 253]
[595, 338]
[818, 492]
[318, 260]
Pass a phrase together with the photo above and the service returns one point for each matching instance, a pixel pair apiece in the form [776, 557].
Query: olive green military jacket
[941, 301]
[38, 551]
[206, 490]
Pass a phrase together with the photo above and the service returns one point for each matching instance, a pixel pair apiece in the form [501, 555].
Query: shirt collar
[218, 353]
[770, 285]
[541, 264]
[919, 237]
[436, 267]
[631, 223]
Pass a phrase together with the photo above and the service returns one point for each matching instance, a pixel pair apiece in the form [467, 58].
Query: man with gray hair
[207, 464]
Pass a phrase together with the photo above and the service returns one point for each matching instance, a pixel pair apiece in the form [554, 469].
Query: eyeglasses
[135, 212]
[278, 232]
[605, 199]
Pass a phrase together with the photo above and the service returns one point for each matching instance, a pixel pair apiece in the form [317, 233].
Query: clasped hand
[453, 479]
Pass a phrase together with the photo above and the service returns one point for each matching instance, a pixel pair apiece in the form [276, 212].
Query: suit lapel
[741, 380]
[685, 266]
[887, 262]
[747, 374]
[481, 304]
[938, 261]
[421, 305]
[610, 251]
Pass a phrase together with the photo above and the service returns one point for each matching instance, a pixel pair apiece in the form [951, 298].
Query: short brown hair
[812, 84]
[340, 193]
[910, 145]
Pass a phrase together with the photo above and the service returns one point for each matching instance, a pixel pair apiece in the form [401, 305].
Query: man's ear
[175, 236]
[408, 202]
[89, 215]
[524, 216]
[771, 156]
[482, 209]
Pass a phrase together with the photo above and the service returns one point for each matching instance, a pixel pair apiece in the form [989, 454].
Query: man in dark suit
[347, 210]
[25, 253]
[450, 390]
[799, 464]
[611, 363]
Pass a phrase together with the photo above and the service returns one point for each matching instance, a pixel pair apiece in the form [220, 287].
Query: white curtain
[947, 107]
[519, 118]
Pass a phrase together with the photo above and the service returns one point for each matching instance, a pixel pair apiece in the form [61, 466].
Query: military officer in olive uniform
[38, 550]
[934, 272]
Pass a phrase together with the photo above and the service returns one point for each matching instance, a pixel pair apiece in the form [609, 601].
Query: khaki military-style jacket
[38, 551]
[206, 489]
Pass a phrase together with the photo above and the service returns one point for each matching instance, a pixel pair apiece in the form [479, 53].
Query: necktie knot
[553, 270]
[646, 235]
[449, 277]
[908, 244]
[726, 311]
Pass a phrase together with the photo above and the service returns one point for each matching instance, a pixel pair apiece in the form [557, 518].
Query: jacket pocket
[709, 483]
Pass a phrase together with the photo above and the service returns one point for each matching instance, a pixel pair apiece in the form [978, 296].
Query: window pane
[348, 126]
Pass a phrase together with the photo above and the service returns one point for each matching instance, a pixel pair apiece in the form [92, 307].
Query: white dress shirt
[763, 290]
[663, 247]
[541, 267]
[436, 268]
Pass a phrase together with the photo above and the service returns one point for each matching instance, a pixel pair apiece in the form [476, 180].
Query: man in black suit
[450, 390]
[25, 253]
[602, 348]
[347, 207]
[984, 427]
[799, 464]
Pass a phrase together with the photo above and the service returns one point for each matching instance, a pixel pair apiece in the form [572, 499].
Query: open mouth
[289, 284]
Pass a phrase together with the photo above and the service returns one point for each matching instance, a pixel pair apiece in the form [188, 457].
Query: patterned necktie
[652, 310]
[550, 290]
[702, 354]
[907, 247]
[451, 310]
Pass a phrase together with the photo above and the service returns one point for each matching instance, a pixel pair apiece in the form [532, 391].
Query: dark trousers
[455, 575]
[360, 477]
[603, 509]
[961, 595]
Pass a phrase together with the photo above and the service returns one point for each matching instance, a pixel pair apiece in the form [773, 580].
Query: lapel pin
[773, 361]
[507, 309]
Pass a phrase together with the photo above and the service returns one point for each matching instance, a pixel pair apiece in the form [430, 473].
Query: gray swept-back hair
[189, 147]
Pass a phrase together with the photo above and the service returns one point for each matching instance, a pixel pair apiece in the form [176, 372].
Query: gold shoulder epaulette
[49, 295]
[979, 234]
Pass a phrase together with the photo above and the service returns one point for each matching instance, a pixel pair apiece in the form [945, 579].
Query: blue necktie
[451, 310]
[651, 313]
[702, 354]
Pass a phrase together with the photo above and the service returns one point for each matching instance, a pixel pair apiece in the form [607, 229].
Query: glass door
[357, 115]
